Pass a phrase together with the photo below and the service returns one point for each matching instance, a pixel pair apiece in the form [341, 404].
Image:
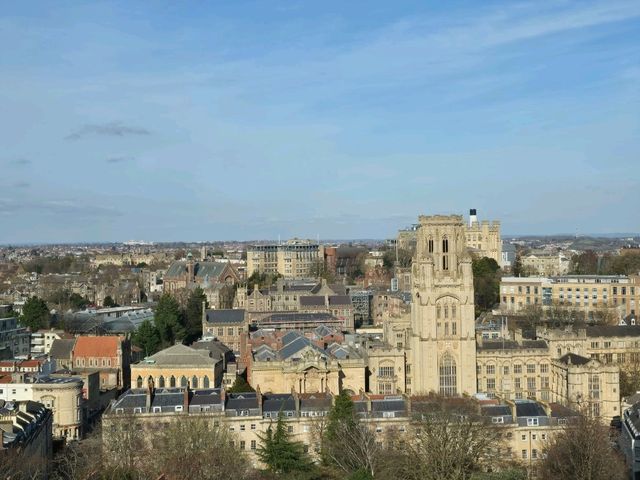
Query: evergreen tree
[193, 314]
[517, 269]
[109, 302]
[35, 314]
[241, 385]
[279, 453]
[168, 320]
[147, 337]
[342, 413]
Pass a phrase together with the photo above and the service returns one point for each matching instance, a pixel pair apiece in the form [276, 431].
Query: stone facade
[443, 346]
[293, 259]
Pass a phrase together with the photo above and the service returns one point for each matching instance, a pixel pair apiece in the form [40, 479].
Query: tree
[35, 314]
[585, 263]
[349, 445]
[109, 302]
[168, 320]
[192, 449]
[279, 453]
[452, 442]
[193, 314]
[147, 337]
[582, 450]
[240, 385]
[486, 283]
[78, 302]
[517, 269]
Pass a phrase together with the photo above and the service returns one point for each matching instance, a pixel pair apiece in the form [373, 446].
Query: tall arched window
[194, 382]
[183, 381]
[445, 245]
[139, 382]
[161, 382]
[430, 243]
[205, 381]
[448, 377]
[445, 262]
[172, 381]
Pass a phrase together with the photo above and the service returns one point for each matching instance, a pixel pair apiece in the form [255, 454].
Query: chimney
[259, 397]
[185, 399]
[472, 217]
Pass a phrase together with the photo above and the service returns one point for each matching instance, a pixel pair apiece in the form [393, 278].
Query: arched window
[172, 381]
[194, 382]
[205, 382]
[453, 311]
[430, 243]
[445, 262]
[445, 245]
[139, 382]
[183, 381]
[161, 382]
[448, 377]
[438, 311]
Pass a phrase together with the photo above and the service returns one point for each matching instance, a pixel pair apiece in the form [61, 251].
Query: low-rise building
[26, 432]
[63, 396]
[15, 340]
[109, 355]
[177, 366]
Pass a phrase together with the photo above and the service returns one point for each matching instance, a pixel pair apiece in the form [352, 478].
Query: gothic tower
[442, 357]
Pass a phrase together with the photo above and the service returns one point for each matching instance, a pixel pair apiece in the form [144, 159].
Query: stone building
[26, 432]
[526, 426]
[584, 293]
[546, 263]
[177, 366]
[63, 396]
[227, 326]
[442, 343]
[190, 273]
[109, 355]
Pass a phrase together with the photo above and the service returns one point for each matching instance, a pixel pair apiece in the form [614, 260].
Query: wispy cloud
[113, 129]
[119, 159]
[56, 207]
[19, 162]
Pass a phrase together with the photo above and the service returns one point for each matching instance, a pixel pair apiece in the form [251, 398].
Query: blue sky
[252, 119]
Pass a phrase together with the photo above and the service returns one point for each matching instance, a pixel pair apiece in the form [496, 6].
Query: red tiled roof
[96, 346]
[5, 378]
[30, 363]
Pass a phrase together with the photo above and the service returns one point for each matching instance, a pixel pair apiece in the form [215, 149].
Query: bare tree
[582, 450]
[447, 442]
[193, 448]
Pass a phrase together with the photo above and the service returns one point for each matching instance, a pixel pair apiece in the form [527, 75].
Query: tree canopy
[168, 320]
[240, 385]
[35, 314]
[279, 453]
[193, 314]
[147, 337]
[486, 283]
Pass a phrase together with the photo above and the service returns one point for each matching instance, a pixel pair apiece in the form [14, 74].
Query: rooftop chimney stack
[472, 217]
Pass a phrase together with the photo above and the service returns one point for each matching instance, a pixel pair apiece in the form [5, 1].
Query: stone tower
[442, 357]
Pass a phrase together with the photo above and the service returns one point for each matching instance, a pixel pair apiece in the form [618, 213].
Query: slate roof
[242, 401]
[613, 331]
[297, 345]
[202, 269]
[277, 402]
[61, 348]
[181, 355]
[225, 316]
[315, 401]
[496, 410]
[215, 348]
[312, 301]
[560, 411]
[209, 396]
[529, 409]
[511, 345]
[572, 358]
[284, 317]
[388, 405]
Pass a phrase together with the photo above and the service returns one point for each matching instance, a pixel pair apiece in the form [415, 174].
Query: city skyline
[256, 119]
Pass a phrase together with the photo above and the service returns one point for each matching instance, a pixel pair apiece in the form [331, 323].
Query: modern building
[294, 259]
[14, 339]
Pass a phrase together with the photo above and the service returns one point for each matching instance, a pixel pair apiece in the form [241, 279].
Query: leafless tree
[582, 450]
[447, 441]
[193, 448]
